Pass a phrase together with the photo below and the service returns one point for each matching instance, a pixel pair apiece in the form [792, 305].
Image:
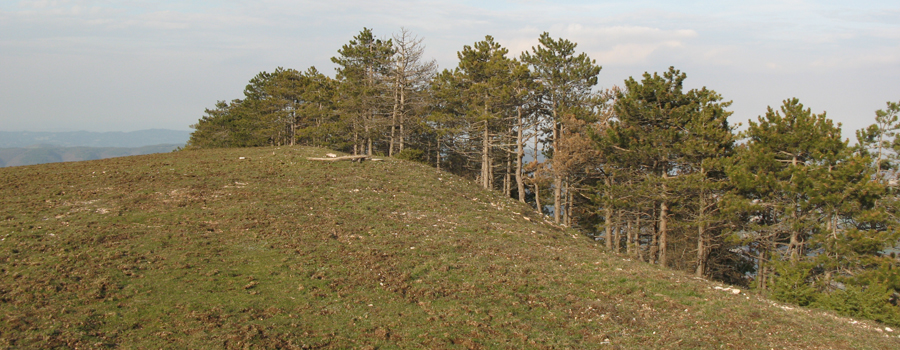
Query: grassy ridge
[202, 249]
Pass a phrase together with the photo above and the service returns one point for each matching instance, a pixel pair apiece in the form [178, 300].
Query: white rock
[889, 329]
[736, 291]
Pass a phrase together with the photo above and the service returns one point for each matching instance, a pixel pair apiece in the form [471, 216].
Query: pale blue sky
[129, 65]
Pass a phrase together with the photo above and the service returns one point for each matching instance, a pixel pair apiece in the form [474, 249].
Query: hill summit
[234, 248]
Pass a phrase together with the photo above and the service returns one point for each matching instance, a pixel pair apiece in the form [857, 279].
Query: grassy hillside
[203, 249]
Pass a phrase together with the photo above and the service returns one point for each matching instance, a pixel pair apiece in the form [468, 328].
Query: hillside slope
[203, 249]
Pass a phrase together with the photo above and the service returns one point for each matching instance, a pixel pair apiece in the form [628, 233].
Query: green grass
[201, 249]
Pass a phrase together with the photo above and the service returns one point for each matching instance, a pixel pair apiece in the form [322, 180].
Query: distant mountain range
[51, 154]
[17, 139]
[29, 148]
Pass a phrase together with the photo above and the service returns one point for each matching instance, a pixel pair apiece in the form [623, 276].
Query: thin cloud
[756, 54]
[623, 44]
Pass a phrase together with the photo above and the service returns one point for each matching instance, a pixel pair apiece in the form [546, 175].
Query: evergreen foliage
[564, 96]
[872, 302]
[654, 170]
[279, 108]
[669, 144]
[363, 69]
[481, 93]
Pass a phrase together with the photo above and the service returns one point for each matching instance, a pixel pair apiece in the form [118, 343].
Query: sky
[106, 65]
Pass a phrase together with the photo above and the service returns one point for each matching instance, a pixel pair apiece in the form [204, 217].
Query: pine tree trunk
[293, 133]
[394, 115]
[367, 147]
[520, 153]
[368, 116]
[507, 178]
[637, 236]
[608, 212]
[570, 206]
[565, 203]
[663, 230]
[629, 239]
[537, 189]
[701, 250]
[653, 258]
[557, 177]
[402, 132]
[402, 116]
[557, 197]
[701, 236]
[485, 159]
[795, 241]
[795, 235]
[490, 168]
[617, 232]
[761, 269]
[663, 224]
[438, 154]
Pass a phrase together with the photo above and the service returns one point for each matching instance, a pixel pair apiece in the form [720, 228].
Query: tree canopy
[655, 171]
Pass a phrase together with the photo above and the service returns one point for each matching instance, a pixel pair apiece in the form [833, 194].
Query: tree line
[653, 170]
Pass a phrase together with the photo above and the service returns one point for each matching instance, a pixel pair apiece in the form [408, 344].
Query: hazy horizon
[94, 131]
[138, 138]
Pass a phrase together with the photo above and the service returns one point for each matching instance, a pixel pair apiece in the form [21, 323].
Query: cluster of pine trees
[653, 170]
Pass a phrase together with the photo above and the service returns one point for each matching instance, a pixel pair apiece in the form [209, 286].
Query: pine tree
[481, 91]
[879, 139]
[319, 123]
[776, 173]
[709, 140]
[566, 81]
[216, 128]
[363, 69]
[819, 215]
[665, 140]
[410, 78]
[258, 119]
[651, 115]
[282, 103]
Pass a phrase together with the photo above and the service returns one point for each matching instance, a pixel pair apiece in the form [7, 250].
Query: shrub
[872, 302]
[792, 286]
[412, 154]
